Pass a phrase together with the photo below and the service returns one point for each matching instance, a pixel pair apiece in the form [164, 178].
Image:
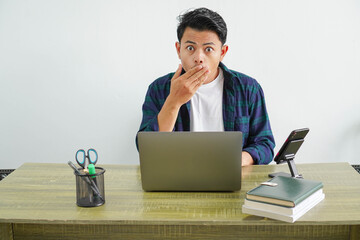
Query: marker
[92, 170]
[88, 180]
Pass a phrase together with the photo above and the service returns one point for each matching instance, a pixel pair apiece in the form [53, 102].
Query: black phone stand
[292, 167]
[288, 150]
[288, 155]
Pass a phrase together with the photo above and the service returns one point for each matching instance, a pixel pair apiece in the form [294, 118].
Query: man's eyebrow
[208, 43]
[188, 41]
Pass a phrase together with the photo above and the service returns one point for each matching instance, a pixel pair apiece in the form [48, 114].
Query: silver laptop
[190, 161]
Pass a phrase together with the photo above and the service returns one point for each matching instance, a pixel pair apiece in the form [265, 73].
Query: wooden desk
[37, 201]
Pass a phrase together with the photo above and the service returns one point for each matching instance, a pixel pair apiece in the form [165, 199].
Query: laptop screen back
[190, 161]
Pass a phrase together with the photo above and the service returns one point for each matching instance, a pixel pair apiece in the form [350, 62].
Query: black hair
[202, 19]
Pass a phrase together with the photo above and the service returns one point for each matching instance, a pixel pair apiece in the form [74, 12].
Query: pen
[88, 180]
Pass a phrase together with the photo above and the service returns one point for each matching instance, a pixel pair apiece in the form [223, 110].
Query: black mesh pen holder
[90, 191]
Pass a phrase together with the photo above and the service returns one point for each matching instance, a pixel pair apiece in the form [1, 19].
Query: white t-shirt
[206, 106]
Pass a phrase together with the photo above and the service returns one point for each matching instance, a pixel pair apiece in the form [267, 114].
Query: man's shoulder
[163, 80]
[241, 80]
[162, 83]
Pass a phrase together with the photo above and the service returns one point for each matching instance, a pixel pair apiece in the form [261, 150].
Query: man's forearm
[167, 116]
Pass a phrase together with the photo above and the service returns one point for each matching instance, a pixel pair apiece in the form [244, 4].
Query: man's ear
[177, 45]
[224, 50]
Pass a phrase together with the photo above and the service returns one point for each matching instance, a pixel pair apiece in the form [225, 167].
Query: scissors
[81, 157]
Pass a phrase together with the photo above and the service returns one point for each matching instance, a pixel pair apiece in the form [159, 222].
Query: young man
[204, 95]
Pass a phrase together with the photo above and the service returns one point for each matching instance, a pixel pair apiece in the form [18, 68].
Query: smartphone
[291, 144]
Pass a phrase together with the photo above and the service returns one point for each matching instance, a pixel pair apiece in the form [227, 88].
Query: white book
[285, 210]
[282, 217]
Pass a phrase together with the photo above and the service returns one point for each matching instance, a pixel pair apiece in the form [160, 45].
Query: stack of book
[283, 198]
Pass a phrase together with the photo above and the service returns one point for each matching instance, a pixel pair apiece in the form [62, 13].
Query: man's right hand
[181, 91]
[184, 87]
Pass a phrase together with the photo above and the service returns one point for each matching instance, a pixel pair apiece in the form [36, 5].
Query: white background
[74, 73]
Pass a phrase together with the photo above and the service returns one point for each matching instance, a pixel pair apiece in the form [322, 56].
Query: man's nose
[199, 57]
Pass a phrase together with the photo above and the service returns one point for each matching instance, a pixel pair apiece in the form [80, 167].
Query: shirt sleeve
[260, 141]
[150, 110]
[154, 100]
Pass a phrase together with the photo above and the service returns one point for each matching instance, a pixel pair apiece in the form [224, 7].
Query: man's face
[201, 48]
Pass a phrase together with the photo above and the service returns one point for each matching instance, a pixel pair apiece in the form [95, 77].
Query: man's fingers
[197, 82]
[193, 78]
[196, 72]
[198, 78]
[192, 71]
[200, 74]
[178, 72]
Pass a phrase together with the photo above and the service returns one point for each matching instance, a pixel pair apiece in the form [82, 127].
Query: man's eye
[190, 48]
[209, 49]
